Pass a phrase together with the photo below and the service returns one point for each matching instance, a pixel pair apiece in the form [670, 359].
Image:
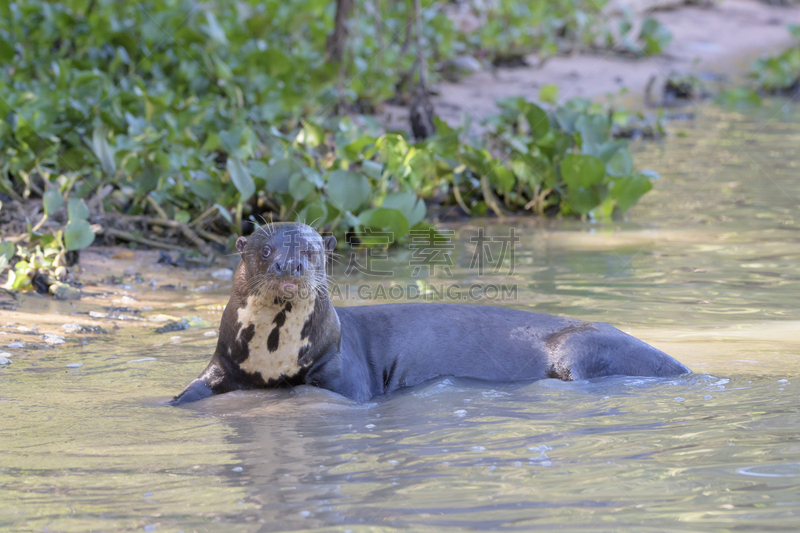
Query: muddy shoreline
[716, 43]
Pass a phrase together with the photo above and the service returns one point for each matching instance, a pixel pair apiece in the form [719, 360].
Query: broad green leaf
[147, 179]
[538, 121]
[594, 130]
[77, 210]
[580, 170]
[278, 174]
[607, 149]
[503, 178]
[348, 190]
[567, 118]
[372, 169]
[52, 200]
[627, 191]
[620, 164]
[583, 199]
[241, 178]
[314, 214]
[299, 186]
[412, 207]
[314, 176]
[77, 235]
[355, 148]
[384, 219]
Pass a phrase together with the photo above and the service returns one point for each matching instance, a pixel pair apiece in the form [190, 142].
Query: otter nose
[290, 267]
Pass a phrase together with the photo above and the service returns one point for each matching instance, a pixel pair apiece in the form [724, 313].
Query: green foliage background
[225, 111]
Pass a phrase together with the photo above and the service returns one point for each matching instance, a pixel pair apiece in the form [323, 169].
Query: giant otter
[281, 329]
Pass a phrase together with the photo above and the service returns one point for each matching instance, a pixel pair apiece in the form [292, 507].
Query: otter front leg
[214, 380]
[197, 390]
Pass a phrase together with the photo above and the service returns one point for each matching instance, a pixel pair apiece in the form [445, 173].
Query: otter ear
[241, 242]
[330, 243]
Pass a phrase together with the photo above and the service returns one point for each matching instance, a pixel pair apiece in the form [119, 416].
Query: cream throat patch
[277, 343]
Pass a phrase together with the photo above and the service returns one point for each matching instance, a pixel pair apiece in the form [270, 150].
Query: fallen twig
[128, 236]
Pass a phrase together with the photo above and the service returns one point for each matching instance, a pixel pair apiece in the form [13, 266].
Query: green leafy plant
[202, 118]
[41, 268]
[780, 73]
[652, 40]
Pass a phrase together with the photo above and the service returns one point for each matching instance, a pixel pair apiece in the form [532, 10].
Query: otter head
[286, 260]
[282, 310]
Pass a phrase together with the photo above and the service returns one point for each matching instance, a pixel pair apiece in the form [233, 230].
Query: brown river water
[707, 268]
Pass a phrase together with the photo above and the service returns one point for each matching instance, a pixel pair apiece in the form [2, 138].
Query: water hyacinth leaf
[354, 149]
[147, 179]
[314, 214]
[348, 190]
[103, 150]
[566, 119]
[207, 189]
[229, 140]
[607, 149]
[538, 121]
[52, 201]
[77, 209]
[299, 186]
[580, 170]
[373, 169]
[594, 130]
[411, 206]
[77, 235]
[503, 178]
[278, 174]
[385, 220]
[627, 191]
[314, 176]
[241, 178]
[583, 199]
[620, 164]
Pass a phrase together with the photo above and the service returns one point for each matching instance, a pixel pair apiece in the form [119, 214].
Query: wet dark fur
[360, 352]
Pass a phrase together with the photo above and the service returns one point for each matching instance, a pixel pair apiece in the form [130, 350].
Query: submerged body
[280, 329]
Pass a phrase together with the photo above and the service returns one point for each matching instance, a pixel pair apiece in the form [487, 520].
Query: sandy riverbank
[714, 42]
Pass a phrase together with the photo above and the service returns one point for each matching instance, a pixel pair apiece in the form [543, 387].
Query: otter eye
[265, 252]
